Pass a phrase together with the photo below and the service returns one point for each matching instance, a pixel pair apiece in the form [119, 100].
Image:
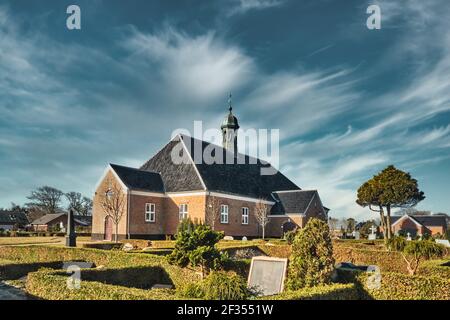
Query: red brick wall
[137, 223]
[98, 214]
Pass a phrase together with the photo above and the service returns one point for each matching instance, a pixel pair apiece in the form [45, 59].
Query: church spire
[229, 128]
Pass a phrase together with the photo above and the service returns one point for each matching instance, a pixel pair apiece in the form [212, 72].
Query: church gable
[176, 177]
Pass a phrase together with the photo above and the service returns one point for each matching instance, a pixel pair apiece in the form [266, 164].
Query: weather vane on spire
[229, 102]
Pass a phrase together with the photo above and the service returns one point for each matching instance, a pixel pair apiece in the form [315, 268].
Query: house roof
[47, 218]
[292, 201]
[139, 179]
[242, 178]
[13, 217]
[427, 221]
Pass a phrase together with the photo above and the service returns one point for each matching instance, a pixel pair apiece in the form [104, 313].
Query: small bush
[219, 286]
[396, 243]
[311, 262]
[290, 236]
[197, 248]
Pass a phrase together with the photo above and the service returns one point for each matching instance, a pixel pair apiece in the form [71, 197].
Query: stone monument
[71, 237]
[373, 235]
[267, 275]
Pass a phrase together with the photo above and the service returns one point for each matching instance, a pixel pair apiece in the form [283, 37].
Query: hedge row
[53, 286]
[103, 245]
[138, 243]
[39, 255]
[397, 286]
[437, 268]
[279, 251]
[385, 260]
[326, 292]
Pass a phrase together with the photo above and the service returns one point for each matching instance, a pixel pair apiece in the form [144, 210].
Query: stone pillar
[71, 237]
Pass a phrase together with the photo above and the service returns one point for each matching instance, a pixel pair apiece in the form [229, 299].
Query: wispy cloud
[242, 6]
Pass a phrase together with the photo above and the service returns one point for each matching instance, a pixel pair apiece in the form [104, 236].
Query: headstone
[445, 243]
[71, 237]
[267, 275]
[373, 235]
[244, 238]
[127, 247]
[80, 264]
[408, 236]
[228, 238]
[162, 286]
[356, 235]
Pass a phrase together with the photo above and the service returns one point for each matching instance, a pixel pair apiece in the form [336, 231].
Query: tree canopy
[391, 188]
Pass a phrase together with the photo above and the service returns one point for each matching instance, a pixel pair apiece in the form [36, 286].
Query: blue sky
[348, 101]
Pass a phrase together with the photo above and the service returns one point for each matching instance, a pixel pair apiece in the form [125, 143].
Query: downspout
[128, 213]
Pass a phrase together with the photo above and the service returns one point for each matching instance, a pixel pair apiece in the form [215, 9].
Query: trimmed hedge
[397, 286]
[163, 244]
[108, 259]
[53, 286]
[137, 243]
[385, 260]
[103, 245]
[438, 268]
[279, 251]
[325, 292]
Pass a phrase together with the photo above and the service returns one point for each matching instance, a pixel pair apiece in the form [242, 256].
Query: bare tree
[262, 215]
[113, 203]
[212, 211]
[45, 199]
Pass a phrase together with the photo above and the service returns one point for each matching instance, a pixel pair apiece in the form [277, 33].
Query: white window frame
[183, 212]
[150, 212]
[224, 213]
[245, 215]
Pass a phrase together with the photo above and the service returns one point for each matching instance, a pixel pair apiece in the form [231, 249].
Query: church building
[226, 195]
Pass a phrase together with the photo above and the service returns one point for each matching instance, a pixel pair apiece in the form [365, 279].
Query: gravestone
[162, 286]
[267, 275]
[356, 235]
[127, 247]
[79, 264]
[373, 235]
[445, 243]
[244, 238]
[408, 236]
[71, 237]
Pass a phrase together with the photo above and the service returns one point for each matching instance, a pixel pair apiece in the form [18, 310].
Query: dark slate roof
[176, 177]
[13, 217]
[237, 178]
[47, 218]
[292, 201]
[427, 221]
[139, 179]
